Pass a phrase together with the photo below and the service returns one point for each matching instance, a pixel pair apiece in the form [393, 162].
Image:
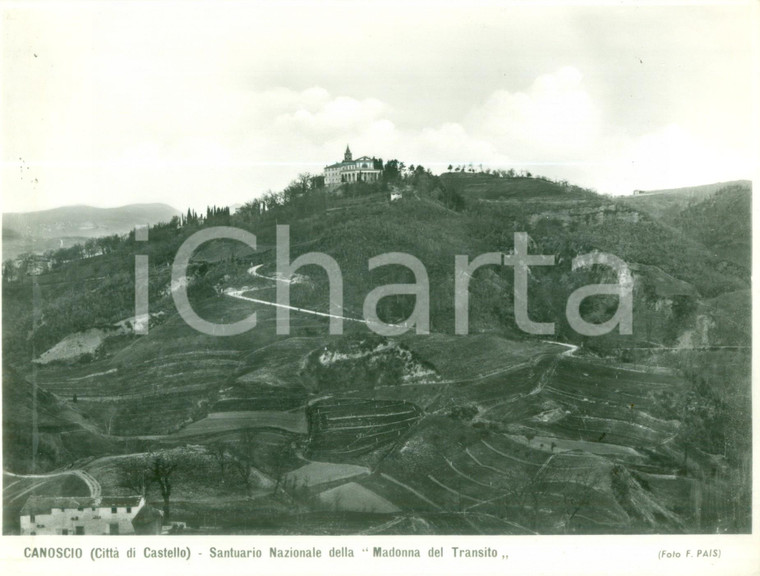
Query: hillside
[491, 187]
[719, 222]
[496, 431]
[670, 201]
[63, 432]
[61, 227]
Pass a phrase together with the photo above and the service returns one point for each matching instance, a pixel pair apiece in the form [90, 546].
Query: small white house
[56, 515]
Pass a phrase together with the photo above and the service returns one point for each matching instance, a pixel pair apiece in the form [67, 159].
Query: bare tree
[242, 470]
[577, 493]
[219, 452]
[108, 417]
[278, 470]
[244, 458]
[162, 468]
[135, 476]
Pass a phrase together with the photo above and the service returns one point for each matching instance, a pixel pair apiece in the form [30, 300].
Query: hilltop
[497, 188]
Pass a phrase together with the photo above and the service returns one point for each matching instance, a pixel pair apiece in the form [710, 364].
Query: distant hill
[665, 202]
[67, 225]
[722, 223]
[718, 216]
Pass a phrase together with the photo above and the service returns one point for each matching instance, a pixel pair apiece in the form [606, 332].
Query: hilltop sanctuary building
[363, 169]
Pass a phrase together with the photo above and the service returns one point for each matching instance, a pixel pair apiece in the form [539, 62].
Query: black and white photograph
[427, 280]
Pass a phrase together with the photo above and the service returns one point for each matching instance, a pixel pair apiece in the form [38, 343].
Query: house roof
[351, 162]
[45, 504]
[147, 514]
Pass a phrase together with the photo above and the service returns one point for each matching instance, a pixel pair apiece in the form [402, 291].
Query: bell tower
[347, 156]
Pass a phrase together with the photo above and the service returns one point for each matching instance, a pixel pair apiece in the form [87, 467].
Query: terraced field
[562, 445]
[159, 383]
[221, 422]
[502, 437]
[350, 427]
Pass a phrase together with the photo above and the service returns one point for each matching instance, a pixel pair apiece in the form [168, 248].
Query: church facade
[363, 169]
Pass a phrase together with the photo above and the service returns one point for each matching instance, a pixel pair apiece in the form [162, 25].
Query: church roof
[350, 163]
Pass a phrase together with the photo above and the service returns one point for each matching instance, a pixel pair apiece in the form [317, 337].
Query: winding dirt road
[92, 484]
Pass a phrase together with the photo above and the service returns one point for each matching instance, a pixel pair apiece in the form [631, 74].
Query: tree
[219, 452]
[452, 199]
[392, 170]
[108, 416]
[91, 247]
[317, 182]
[162, 468]
[244, 457]
[136, 477]
[10, 270]
[649, 297]
[578, 492]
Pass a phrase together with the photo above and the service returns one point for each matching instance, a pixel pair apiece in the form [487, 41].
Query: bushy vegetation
[364, 361]
[720, 223]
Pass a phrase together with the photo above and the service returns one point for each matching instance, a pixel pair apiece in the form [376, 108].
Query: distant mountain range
[67, 225]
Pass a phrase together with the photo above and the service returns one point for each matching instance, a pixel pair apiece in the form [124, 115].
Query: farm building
[148, 521]
[363, 169]
[56, 515]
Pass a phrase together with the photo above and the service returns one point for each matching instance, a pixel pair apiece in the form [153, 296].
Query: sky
[193, 104]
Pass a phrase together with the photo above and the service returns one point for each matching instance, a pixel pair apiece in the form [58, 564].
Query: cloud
[670, 157]
[554, 120]
[217, 144]
[334, 118]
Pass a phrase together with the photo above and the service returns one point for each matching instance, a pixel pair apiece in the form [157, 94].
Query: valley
[492, 432]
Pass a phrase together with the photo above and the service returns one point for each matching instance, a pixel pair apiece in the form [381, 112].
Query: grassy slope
[661, 203]
[722, 223]
[162, 381]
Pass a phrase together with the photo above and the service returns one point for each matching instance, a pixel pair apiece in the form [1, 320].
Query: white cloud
[219, 146]
[554, 120]
[191, 106]
[335, 117]
[670, 157]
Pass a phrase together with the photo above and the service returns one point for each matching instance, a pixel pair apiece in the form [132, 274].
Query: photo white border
[534, 555]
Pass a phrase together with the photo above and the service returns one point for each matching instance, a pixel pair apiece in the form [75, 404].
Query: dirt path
[92, 484]
[254, 272]
[572, 347]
